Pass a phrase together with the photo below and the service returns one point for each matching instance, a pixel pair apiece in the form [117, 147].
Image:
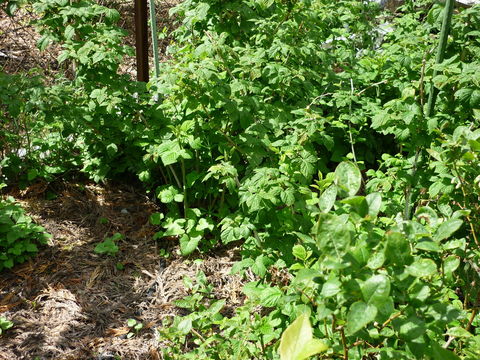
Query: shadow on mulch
[71, 303]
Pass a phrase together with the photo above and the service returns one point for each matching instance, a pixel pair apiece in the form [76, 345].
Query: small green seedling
[108, 246]
[103, 220]
[135, 326]
[5, 324]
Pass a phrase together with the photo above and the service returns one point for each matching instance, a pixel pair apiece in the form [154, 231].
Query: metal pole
[141, 37]
[153, 26]
[442, 44]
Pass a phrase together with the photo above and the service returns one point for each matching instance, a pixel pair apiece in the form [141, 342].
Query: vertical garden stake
[442, 44]
[141, 39]
[153, 28]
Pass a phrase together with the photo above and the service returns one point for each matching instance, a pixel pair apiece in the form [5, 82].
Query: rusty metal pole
[141, 38]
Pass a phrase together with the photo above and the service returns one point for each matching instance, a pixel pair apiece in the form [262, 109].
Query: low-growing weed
[5, 324]
[108, 245]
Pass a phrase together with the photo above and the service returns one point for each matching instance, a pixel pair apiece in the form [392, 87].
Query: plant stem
[185, 203]
[446, 24]
[349, 122]
[344, 343]
[179, 184]
[408, 191]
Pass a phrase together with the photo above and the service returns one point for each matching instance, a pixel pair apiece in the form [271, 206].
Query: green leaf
[468, 96]
[12, 6]
[297, 342]
[156, 218]
[270, 296]
[422, 268]
[311, 348]
[374, 201]
[376, 260]
[439, 353]
[131, 322]
[185, 325]
[397, 250]
[458, 332]
[447, 228]
[359, 204]
[327, 199]
[411, 328]
[359, 315]
[288, 196]
[376, 290]
[428, 245]
[450, 264]
[31, 247]
[331, 288]
[169, 193]
[112, 149]
[299, 252]
[189, 242]
[348, 179]
[32, 174]
[69, 32]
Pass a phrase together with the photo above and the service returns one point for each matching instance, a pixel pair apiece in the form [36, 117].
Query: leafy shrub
[291, 126]
[376, 280]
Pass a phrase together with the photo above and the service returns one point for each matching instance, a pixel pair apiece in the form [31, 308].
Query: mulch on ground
[71, 303]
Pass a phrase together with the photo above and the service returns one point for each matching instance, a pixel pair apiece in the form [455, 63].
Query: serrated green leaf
[270, 296]
[299, 252]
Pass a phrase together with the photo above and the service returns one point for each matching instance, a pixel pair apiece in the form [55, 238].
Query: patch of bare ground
[70, 303]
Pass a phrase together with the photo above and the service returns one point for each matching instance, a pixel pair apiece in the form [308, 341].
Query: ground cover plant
[300, 130]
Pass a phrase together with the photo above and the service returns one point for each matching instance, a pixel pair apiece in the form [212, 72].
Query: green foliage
[297, 342]
[207, 334]
[108, 245]
[19, 235]
[10, 6]
[5, 324]
[295, 128]
[135, 326]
